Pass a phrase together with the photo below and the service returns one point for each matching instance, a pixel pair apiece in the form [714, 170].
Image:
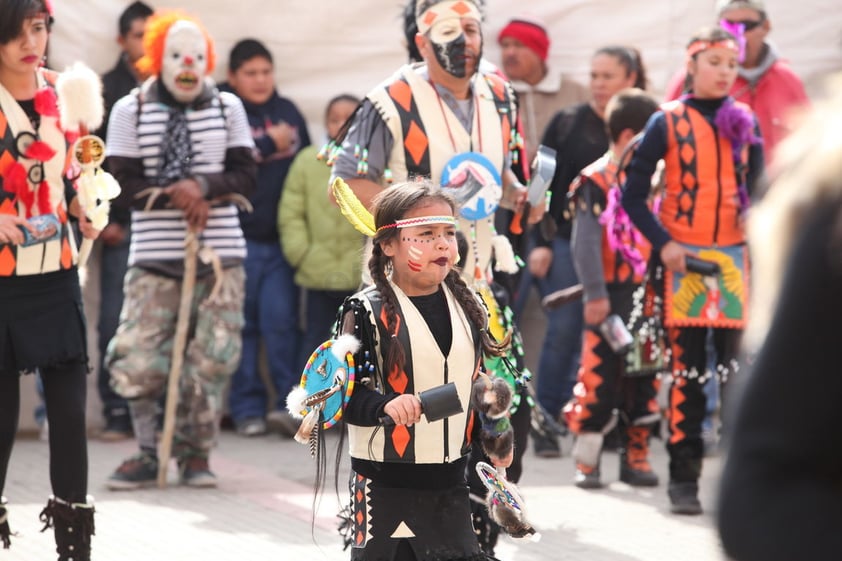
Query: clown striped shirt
[221, 124]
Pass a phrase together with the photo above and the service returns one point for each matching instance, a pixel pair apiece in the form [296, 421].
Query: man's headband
[419, 221]
[702, 45]
[448, 9]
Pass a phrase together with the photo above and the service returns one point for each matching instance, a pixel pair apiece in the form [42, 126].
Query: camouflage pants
[140, 354]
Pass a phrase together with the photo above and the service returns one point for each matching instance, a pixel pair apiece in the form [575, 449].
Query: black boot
[684, 497]
[74, 526]
[5, 531]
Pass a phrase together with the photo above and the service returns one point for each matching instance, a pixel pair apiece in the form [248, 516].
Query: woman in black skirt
[42, 325]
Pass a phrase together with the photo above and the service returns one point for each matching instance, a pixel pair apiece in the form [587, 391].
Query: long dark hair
[15, 12]
[393, 204]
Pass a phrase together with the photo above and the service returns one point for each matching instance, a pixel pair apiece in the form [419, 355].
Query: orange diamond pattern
[682, 127]
[400, 92]
[687, 153]
[398, 380]
[7, 261]
[8, 207]
[688, 180]
[400, 439]
[430, 17]
[416, 142]
[461, 8]
[6, 160]
[66, 255]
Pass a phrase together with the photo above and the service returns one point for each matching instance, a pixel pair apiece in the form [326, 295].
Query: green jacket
[317, 240]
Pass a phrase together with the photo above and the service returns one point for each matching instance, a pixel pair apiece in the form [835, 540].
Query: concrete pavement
[262, 510]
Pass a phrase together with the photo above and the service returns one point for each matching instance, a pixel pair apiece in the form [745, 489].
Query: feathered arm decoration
[352, 208]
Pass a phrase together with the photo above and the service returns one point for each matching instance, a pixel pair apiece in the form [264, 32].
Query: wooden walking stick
[182, 326]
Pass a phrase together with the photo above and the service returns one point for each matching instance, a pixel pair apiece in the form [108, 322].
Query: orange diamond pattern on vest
[416, 142]
[400, 439]
[7, 261]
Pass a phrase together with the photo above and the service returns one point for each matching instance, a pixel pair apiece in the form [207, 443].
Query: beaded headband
[702, 45]
[419, 221]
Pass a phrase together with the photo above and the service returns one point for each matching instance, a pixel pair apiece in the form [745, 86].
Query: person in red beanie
[541, 94]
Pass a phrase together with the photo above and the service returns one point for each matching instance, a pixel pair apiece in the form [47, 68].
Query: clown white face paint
[185, 61]
[457, 45]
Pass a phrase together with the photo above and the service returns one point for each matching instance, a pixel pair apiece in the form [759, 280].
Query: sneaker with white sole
[136, 472]
[195, 472]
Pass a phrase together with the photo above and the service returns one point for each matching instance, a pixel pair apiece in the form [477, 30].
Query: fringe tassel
[504, 255]
[5, 530]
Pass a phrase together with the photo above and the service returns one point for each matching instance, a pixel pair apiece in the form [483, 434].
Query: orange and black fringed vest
[701, 203]
[603, 174]
[32, 182]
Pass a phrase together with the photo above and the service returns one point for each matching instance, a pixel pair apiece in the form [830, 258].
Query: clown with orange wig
[181, 150]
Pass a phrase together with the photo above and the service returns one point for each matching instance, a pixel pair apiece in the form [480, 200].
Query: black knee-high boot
[5, 531]
[74, 526]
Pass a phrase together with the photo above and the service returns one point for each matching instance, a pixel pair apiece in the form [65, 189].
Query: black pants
[65, 395]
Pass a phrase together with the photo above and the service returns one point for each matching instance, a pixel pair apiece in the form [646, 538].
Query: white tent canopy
[333, 46]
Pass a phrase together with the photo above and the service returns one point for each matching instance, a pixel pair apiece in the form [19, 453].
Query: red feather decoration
[15, 179]
[46, 102]
[39, 150]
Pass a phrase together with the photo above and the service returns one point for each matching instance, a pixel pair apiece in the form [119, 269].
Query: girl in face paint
[418, 243]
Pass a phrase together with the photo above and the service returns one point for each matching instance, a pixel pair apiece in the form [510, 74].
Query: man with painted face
[181, 150]
[448, 120]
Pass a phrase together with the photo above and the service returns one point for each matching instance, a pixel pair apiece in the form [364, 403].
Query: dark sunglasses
[748, 24]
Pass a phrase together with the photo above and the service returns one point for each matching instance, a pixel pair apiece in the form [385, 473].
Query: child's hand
[596, 311]
[672, 256]
[404, 409]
